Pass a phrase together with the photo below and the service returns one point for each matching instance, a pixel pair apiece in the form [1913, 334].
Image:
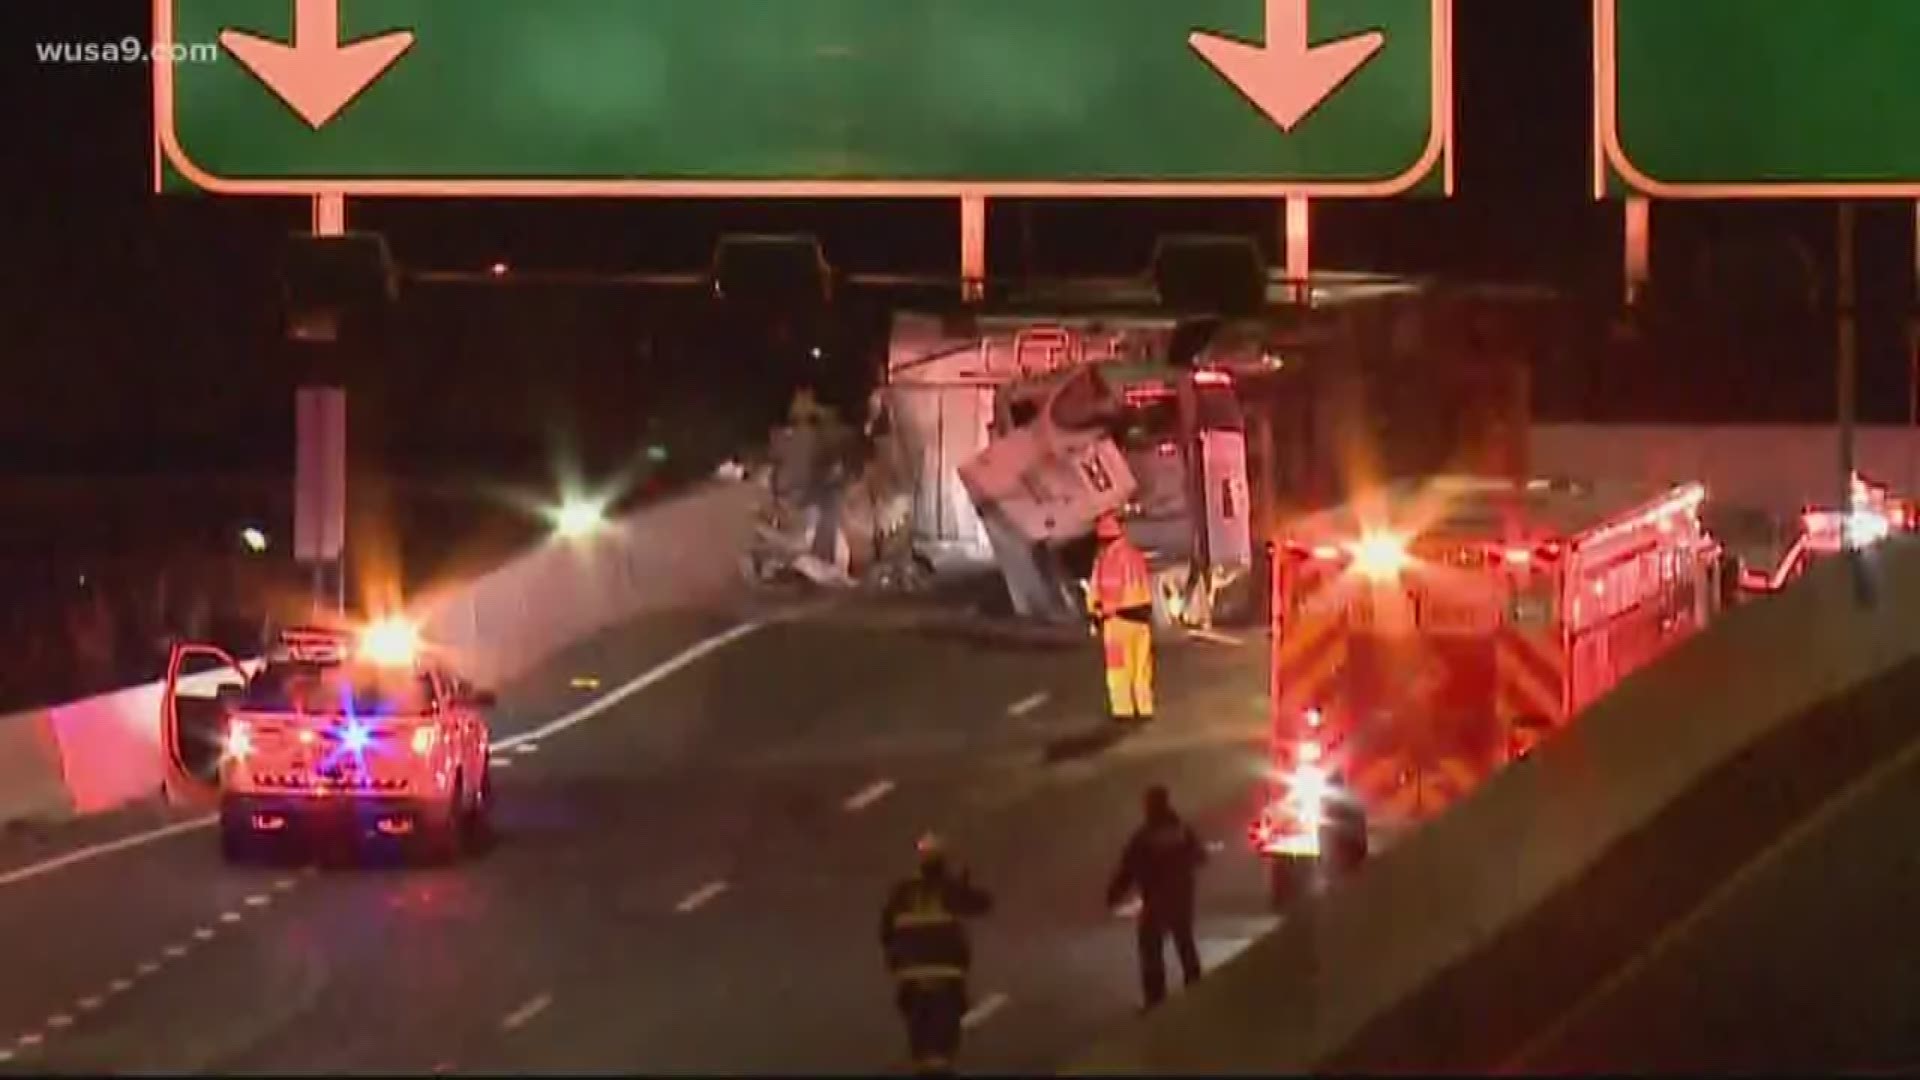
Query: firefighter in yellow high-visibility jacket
[1120, 599]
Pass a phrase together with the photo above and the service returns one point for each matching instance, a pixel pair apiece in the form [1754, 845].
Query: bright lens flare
[391, 641]
[578, 518]
[1380, 555]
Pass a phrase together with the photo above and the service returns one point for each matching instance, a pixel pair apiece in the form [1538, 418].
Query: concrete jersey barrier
[104, 752]
[1297, 997]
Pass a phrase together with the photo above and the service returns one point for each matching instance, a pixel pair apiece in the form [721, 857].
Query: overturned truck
[1226, 427]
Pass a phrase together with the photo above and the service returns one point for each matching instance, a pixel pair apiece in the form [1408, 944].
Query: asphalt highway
[687, 878]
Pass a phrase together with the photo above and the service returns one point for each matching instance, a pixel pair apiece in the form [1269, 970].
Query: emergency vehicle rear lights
[1212, 378]
[239, 739]
[268, 822]
[1519, 556]
[1314, 718]
[355, 738]
[1327, 553]
[423, 739]
[1380, 555]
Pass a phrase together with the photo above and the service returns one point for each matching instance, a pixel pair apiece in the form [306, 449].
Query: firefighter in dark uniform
[1161, 866]
[924, 935]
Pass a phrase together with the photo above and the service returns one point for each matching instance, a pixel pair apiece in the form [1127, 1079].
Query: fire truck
[1875, 515]
[1432, 631]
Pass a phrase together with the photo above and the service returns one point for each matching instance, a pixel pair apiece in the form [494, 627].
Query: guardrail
[104, 752]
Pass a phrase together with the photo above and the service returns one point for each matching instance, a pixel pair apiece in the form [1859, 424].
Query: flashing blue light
[355, 738]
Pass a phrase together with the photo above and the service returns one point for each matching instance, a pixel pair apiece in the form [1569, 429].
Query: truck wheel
[1288, 879]
[477, 823]
[440, 834]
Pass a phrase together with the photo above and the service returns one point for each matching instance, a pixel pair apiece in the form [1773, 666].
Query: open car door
[204, 682]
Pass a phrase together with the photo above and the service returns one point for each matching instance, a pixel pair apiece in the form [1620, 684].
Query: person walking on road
[1160, 866]
[1120, 599]
[924, 935]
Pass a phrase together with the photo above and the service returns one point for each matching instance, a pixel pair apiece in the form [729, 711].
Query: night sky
[144, 330]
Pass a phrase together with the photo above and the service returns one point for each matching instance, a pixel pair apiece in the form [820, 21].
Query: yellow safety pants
[1129, 649]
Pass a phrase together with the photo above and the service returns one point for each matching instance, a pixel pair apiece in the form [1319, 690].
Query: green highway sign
[1718, 99]
[807, 97]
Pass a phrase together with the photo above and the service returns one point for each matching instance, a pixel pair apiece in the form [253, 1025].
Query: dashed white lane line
[59, 1020]
[1216, 637]
[5, 1055]
[578, 716]
[259, 900]
[89, 1003]
[205, 933]
[146, 968]
[1027, 704]
[700, 897]
[868, 795]
[32, 1038]
[284, 884]
[984, 1011]
[176, 952]
[229, 916]
[119, 986]
[526, 1012]
[527, 748]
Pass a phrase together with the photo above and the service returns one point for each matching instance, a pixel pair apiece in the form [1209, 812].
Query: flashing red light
[1212, 378]
[1168, 449]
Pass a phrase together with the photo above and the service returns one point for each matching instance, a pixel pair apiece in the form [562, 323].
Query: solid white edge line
[94, 851]
[633, 686]
[984, 1011]
[578, 716]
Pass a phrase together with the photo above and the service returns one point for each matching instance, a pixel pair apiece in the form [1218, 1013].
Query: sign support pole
[973, 248]
[1639, 242]
[1296, 235]
[1913, 358]
[1848, 350]
[330, 219]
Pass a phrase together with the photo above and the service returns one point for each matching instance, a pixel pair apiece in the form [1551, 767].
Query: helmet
[1107, 527]
[931, 848]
